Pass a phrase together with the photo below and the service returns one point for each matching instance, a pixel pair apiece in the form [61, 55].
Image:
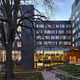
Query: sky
[63, 9]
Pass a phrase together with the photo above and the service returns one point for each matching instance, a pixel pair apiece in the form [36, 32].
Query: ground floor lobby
[43, 58]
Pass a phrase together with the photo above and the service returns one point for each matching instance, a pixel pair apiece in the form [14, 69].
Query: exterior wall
[52, 39]
[54, 34]
[27, 40]
[72, 56]
[75, 18]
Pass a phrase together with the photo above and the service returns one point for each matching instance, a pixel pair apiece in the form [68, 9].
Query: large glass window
[68, 31]
[62, 25]
[19, 29]
[61, 31]
[61, 42]
[61, 37]
[48, 58]
[19, 44]
[57, 25]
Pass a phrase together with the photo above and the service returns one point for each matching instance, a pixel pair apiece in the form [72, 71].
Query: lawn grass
[26, 70]
[71, 69]
[25, 74]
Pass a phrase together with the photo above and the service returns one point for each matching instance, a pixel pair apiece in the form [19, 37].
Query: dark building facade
[27, 44]
[23, 44]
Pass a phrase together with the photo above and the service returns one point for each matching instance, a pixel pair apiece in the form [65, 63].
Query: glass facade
[75, 18]
[43, 58]
[53, 35]
[16, 55]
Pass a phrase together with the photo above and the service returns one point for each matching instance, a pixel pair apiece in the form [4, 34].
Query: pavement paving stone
[49, 76]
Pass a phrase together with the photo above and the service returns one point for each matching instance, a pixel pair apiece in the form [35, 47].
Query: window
[49, 31]
[73, 31]
[57, 25]
[48, 26]
[73, 45]
[53, 37]
[68, 31]
[39, 42]
[45, 43]
[61, 37]
[57, 37]
[73, 25]
[19, 29]
[41, 25]
[67, 43]
[61, 42]
[61, 31]
[62, 26]
[38, 37]
[19, 44]
[68, 37]
[47, 37]
[68, 26]
[73, 39]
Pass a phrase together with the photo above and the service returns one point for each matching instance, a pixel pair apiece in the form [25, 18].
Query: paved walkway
[49, 76]
[60, 71]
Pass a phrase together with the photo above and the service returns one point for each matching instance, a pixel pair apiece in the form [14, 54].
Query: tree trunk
[9, 63]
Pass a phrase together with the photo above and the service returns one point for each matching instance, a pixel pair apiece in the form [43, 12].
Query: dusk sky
[64, 9]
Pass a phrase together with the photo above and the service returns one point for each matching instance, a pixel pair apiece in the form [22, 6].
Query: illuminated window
[61, 42]
[19, 29]
[16, 55]
[73, 39]
[73, 25]
[73, 45]
[61, 32]
[61, 37]
[68, 31]
[73, 31]
[19, 44]
[67, 43]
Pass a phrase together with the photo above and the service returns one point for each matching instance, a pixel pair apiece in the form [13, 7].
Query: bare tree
[9, 10]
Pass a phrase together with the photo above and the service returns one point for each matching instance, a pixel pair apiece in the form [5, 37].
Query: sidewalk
[60, 71]
[49, 76]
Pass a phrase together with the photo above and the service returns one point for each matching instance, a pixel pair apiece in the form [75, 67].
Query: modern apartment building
[75, 19]
[51, 42]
